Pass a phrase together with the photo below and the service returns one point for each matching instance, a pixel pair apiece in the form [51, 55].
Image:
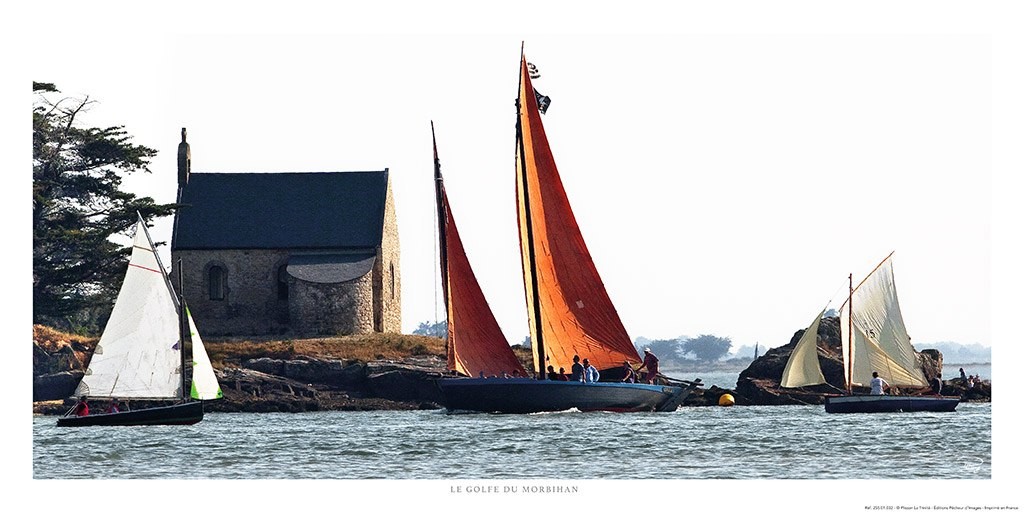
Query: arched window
[282, 282]
[217, 279]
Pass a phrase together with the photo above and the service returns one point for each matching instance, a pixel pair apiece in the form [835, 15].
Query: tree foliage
[669, 351]
[706, 347]
[437, 329]
[77, 206]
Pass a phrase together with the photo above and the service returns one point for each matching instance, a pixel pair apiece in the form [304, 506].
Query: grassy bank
[359, 347]
[231, 351]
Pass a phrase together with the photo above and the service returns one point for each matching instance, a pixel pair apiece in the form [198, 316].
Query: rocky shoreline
[299, 385]
[303, 383]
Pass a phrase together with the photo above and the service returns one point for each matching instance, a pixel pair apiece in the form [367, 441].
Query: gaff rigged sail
[879, 339]
[570, 312]
[475, 341]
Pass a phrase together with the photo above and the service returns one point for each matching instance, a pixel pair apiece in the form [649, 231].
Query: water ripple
[693, 443]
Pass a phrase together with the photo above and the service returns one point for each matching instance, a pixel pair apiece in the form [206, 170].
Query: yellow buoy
[726, 400]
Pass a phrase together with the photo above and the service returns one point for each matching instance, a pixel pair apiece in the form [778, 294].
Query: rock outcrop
[759, 383]
[270, 385]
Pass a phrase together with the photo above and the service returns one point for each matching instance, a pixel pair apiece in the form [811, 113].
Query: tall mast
[849, 321]
[182, 328]
[542, 369]
[442, 232]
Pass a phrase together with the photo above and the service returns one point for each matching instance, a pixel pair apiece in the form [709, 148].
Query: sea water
[755, 442]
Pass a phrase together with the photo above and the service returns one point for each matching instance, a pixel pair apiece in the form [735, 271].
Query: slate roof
[330, 268]
[307, 210]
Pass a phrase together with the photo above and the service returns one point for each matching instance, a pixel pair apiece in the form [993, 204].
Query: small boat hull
[522, 396]
[187, 413]
[890, 403]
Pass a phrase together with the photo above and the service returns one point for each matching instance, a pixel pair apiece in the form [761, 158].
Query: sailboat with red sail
[570, 313]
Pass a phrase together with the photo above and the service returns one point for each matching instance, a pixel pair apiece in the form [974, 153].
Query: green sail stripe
[195, 393]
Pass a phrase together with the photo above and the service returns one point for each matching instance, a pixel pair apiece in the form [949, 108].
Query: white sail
[803, 368]
[204, 382]
[880, 342]
[138, 354]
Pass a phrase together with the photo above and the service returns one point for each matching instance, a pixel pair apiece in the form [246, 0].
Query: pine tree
[77, 205]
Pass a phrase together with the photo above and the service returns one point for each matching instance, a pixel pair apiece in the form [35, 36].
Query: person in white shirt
[590, 374]
[878, 384]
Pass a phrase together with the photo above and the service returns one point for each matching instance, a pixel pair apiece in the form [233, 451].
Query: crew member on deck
[651, 363]
[590, 374]
[878, 384]
[937, 385]
[551, 373]
[577, 369]
[628, 374]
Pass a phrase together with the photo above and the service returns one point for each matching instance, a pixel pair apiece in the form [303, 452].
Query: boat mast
[849, 321]
[183, 329]
[442, 233]
[542, 370]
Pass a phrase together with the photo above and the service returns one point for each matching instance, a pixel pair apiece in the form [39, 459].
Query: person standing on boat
[937, 385]
[577, 369]
[590, 374]
[878, 384]
[82, 409]
[113, 407]
[651, 363]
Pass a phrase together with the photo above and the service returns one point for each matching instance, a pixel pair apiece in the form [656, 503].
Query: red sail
[475, 342]
[570, 312]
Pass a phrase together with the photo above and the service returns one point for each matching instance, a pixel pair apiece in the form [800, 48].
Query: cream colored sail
[138, 354]
[204, 382]
[879, 339]
[803, 368]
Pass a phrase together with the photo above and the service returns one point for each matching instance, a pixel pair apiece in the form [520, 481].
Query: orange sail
[569, 309]
[475, 342]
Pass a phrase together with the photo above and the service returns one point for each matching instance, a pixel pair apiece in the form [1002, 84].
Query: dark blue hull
[187, 413]
[520, 396]
[890, 403]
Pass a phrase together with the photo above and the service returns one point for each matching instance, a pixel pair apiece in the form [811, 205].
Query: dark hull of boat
[187, 413]
[521, 396]
[890, 403]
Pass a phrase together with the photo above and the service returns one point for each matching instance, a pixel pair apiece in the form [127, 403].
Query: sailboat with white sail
[874, 340]
[569, 310]
[141, 353]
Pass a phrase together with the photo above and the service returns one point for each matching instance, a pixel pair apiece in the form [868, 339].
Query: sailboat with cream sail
[569, 310]
[141, 353]
[874, 340]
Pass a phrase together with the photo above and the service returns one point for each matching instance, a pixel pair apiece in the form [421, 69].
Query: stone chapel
[293, 253]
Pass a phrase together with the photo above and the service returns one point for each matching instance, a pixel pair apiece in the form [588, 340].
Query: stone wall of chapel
[387, 269]
[332, 309]
[252, 305]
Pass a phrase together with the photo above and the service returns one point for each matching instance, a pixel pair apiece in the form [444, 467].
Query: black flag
[534, 74]
[543, 102]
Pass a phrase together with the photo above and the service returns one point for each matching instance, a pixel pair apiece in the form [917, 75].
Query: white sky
[726, 184]
[729, 165]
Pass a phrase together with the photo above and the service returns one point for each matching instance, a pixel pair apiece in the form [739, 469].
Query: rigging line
[868, 275]
[437, 261]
